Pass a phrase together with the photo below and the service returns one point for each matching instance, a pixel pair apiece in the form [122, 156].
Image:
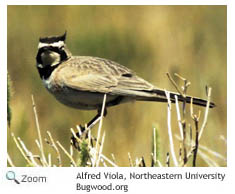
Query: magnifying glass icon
[10, 175]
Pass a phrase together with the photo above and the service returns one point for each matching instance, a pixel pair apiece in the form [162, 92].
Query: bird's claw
[82, 134]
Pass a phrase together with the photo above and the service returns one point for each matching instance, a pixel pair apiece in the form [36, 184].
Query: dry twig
[169, 129]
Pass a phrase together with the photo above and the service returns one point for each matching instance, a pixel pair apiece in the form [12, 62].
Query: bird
[81, 82]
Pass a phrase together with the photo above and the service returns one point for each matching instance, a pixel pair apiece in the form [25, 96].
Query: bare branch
[196, 120]
[169, 129]
[21, 150]
[10, 161]
[206, 113]
[67, 154]
[100, 125]
[53, 145]
[130, 159]
[175, 85]
[179, 117]
[100, 150]
[155, 146]
[38, 130]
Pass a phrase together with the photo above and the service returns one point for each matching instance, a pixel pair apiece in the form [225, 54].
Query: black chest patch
[46, 71]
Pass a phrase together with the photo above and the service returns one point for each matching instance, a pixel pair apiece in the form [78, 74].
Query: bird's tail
[160, 96]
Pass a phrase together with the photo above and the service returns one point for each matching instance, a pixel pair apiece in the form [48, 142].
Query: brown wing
[100, 75]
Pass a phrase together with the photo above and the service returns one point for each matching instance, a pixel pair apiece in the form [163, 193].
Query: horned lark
[81, 81]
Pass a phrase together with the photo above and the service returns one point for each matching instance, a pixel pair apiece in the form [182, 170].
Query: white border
[3, 84]
[63, 179]
[230, 86]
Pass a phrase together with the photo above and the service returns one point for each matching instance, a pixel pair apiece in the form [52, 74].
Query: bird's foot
[80, 136]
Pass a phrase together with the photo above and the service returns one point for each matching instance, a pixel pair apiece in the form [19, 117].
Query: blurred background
[151, 40]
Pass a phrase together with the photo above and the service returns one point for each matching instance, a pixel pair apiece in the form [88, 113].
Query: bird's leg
[90, 125]
[96, 119]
